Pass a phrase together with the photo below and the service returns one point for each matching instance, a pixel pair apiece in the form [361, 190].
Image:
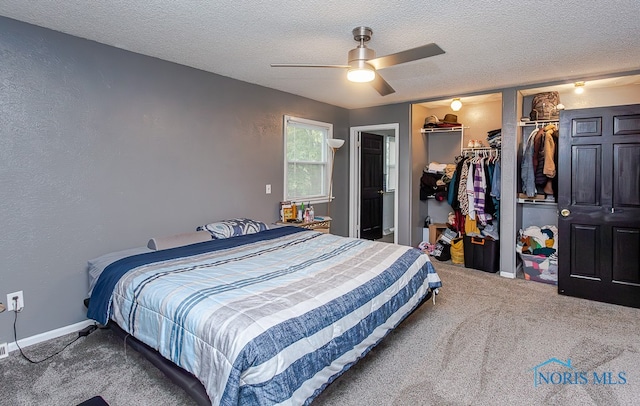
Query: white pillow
[178, 240]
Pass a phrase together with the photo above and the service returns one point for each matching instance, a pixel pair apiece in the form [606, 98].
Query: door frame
[354, 175]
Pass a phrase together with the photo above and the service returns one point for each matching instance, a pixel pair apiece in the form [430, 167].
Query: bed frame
[184, 379]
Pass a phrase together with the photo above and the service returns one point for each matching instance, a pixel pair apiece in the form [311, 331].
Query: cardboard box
[435, 230]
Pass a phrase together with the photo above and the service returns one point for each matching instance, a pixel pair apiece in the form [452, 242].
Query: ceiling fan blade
[381, 85]
[409, 55]
[305, 65]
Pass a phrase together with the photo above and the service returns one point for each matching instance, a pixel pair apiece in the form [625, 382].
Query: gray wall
[102, 149]
[508, 182]
[419, 158]
[393, 113]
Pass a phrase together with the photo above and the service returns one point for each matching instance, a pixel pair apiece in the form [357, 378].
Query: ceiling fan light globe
[361, 75]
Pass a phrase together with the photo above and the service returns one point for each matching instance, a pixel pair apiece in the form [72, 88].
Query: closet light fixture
[579, 87]
[456, 104]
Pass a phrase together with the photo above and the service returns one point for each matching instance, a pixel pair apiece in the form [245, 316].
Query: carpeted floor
[477, 346]
[480, 342]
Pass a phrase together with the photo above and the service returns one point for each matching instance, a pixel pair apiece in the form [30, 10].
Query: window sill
[306, 201]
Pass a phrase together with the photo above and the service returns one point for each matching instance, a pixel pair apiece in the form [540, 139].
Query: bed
[270, 317]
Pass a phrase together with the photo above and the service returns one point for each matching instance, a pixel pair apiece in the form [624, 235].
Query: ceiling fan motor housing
[359, 56]
[362, 34]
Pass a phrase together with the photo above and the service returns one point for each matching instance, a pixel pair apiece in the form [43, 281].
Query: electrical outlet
[11, 305]
[4, 350]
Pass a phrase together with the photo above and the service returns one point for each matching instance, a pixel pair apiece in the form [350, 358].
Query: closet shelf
[459, 129]
[536, 202]
[480, 149]
[442, 129]
[538, 123]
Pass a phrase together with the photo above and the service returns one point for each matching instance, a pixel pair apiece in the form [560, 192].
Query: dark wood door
[371, 185]
[599, 204]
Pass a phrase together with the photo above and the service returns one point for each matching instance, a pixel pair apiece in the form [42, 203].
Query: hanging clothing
[460, 221]
[479, 190]
[454, 187]
[471, 227]
[495, 189]
[527, 171]
[489, 203]
[549, 168]
[539, 161]
[463, 199]
[495, 182]
[539, 158]
[453, 191]
[470, 192]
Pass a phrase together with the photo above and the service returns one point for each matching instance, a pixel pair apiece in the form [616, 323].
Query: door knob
[381, 192]
[565, 213]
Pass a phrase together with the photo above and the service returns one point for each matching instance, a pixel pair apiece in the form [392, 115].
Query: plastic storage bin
[482, 253]
[540, 268]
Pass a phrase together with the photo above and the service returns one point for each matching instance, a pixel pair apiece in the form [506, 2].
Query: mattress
[266, 318]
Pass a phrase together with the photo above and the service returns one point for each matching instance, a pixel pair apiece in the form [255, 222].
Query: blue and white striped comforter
[267, 318]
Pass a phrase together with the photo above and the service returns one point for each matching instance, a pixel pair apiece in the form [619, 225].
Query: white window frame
[326, 158]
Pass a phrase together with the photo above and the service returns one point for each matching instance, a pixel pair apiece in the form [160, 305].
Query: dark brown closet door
[599, 204]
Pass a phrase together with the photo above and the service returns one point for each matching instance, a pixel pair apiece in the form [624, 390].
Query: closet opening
[541, 182]
[451, 146]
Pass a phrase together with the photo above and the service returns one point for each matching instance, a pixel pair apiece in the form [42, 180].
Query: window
[390, 163]
[307, 160]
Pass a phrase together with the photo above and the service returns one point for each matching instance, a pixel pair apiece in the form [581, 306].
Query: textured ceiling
[489, 44]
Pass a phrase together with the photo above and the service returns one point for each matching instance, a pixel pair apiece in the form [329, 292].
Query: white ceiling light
[456, 104]
[579, 87]
[361, 75]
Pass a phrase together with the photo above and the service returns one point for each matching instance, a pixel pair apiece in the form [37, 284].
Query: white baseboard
[508, 274]
[50, 335]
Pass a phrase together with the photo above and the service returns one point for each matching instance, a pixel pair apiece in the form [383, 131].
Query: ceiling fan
[363, 65]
